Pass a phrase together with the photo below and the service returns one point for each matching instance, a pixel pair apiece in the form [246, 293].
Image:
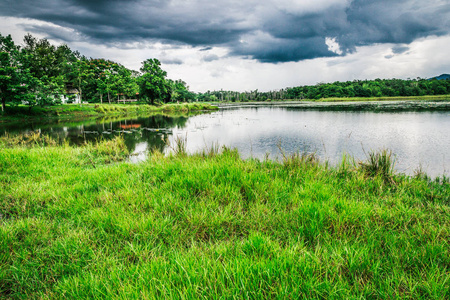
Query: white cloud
[14, 27]
[333, 46]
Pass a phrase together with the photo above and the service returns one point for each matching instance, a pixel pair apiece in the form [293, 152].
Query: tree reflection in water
[154, 131]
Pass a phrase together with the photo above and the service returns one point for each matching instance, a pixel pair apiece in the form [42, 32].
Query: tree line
[372, 88]
[348, 89]
[40, 73]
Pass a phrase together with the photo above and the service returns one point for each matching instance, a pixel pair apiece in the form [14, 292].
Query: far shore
[78, 111]
[440, 102]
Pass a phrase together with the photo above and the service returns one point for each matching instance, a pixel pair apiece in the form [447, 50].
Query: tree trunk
[109, 98]
[79, 89]
[3, 105]
[101, 98]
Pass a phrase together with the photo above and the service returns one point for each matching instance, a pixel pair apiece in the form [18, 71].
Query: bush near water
[75, 222]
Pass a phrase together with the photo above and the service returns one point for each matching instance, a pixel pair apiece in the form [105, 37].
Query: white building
[71, 96]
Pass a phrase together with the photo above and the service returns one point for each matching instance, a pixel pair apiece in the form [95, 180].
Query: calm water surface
[416, 138]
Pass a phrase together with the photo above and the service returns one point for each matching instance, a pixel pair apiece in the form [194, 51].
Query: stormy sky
[246, 45]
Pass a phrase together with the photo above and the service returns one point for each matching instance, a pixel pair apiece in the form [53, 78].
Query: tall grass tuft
[379, 163]
[179, 149]
[347, 165]
[30, 139]
[212, 151]
[419, 173]
[114, 149]
[298, 159]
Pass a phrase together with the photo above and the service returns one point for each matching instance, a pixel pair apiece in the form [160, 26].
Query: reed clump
[112, 150]
[179, 147]
[298, 159]
[379, 163]
[30, 139]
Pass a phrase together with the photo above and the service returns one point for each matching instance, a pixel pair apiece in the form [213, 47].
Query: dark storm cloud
[262, 30]
[393, 21]
[172, 61]
[58, 33]
[272, 50]
[399, 49]
[210, 58]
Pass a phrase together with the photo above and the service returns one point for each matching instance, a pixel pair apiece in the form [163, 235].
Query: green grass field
[83, 223]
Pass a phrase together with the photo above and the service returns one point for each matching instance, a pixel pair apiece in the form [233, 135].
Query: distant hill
[441, 77]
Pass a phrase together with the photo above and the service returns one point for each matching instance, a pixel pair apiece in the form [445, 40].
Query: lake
[417, 139]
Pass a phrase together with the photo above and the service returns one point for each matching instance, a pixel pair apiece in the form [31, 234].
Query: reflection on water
[140, 134]
[416, 138]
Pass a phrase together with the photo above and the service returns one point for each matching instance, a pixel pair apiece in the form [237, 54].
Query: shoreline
[445, 97]
[376, 106]
[369, 104]
[68, 112]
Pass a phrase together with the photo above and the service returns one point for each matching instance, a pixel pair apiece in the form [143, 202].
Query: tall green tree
[110, 79]
[77, 73]
[127, 82]
[180, 91]
[153, 84]
[14, 78]
[47, 64]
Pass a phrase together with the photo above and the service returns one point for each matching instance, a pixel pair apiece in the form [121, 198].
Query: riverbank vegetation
[357, 90]
[81, 222]
[76, 111]
[445, 97]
